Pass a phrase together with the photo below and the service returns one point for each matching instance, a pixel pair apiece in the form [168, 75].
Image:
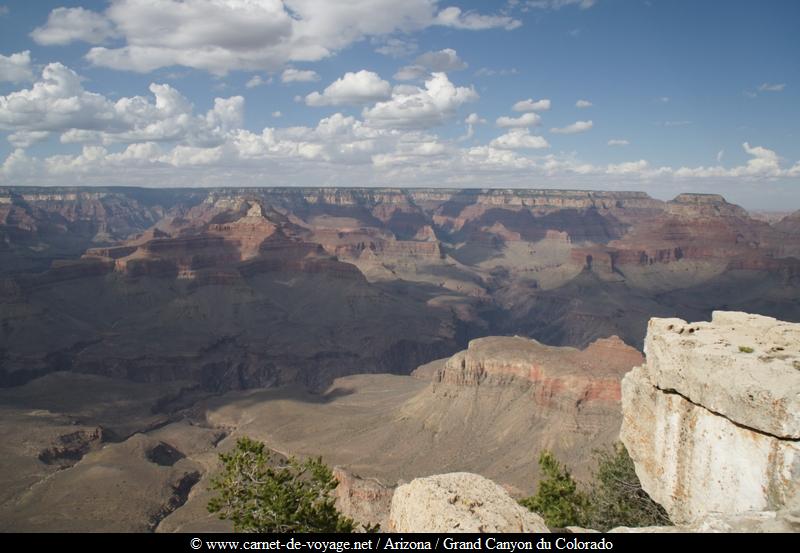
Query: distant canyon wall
[245, 287]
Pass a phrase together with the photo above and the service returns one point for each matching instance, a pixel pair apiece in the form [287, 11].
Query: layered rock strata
[555, 374]
[243, 287]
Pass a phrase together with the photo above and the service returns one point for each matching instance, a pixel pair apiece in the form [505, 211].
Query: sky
[663, 96]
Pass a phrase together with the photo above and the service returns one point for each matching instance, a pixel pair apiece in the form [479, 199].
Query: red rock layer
[551, 373]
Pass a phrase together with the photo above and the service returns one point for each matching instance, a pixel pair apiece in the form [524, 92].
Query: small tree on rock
[613, 498]
[259, 494]
[558, 499]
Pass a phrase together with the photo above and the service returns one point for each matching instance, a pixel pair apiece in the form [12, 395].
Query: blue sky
[675, 95]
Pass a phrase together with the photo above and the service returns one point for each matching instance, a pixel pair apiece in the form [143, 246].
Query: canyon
[71, 438]
[239, 288]
[399, 333]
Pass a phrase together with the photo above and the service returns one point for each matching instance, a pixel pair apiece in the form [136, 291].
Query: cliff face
[246, 287]
[554, 375]
[712, 421]
[520, 396]
[37, 227]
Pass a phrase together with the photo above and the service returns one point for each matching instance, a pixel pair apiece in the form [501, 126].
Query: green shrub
[746, 349]
[613, 498]
[259, 494]
[558, 499]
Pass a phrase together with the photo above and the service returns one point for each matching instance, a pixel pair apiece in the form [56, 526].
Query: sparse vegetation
[558, 499]
[617, 497]
[746, 349]
[613, 498]
[261, 494]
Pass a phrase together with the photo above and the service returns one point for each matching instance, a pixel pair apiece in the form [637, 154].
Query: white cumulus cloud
[57, 102]
[524, 120]
[519, 139]
[413, 149]
[582, 104]
[304, 155]
[532, 105]
[363, 87]
[442, 61]
[574, 128]
[618, 142]
[415, 107]
[26, 139]
[628, 167]
[19, 165]
[472, 120]
[458, 19]
[762, 162]
[292, 75]
[226, 35]
[257, 80]
[16, 68]
[66, 25]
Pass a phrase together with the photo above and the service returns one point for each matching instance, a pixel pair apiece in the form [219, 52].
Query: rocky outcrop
[712, 420]
[70, 448]
[516, 396]
[459, 502]
[693, 205]
[754, 522]
[741, 366]
[552, 373]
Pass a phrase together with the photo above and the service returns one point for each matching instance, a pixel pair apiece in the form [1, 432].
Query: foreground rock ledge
[459, 502]
[741, 366]
[712, 428]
